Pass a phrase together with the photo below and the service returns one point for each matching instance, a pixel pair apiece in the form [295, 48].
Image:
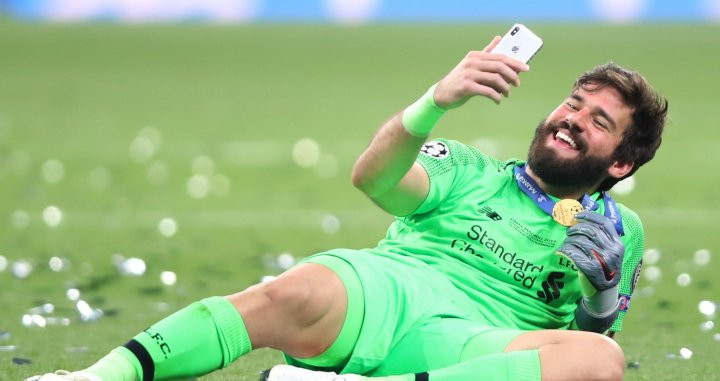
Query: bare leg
[300, 313]
[573, 355]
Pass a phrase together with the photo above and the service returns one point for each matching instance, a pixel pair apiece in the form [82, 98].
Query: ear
[620, 168]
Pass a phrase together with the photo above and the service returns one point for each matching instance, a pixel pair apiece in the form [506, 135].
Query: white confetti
[167, 227]
[707, 308]
[330, 224]
[53, 171]
[52, 216]
[686, 353]
[652, 273]
[168, 278]
[306, 152]
[20, 219]
[651, 256]
[684, 280]
[198, 186]
[702, 257]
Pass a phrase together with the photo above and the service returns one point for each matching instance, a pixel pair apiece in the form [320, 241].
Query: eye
[600, 123]
[572, 106]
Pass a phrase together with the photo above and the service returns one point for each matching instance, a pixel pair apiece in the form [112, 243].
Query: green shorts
[413, 318]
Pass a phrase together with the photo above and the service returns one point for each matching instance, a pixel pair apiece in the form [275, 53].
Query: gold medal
[565, 210]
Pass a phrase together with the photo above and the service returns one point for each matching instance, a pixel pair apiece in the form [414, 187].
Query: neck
[560, 192]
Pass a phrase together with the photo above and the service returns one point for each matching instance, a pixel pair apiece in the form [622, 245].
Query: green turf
[243, 95]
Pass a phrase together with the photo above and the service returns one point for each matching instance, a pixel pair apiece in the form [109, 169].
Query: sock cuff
[525, 365]
[230, 326]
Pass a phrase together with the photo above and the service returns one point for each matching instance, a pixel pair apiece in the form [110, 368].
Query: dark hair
[642, 138]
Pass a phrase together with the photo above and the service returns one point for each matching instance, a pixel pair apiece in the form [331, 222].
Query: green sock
[515, 366]
[202, 337]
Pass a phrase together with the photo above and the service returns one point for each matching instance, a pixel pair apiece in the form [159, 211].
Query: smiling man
[493, 270]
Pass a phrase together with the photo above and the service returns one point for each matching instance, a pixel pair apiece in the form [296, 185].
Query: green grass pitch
[243, 96]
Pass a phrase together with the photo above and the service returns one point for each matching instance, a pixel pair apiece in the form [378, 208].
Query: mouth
[565, 140]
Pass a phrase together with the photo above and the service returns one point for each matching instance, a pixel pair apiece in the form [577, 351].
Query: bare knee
[613, 358]
[573, 355]
[294, 297]
[300, 312]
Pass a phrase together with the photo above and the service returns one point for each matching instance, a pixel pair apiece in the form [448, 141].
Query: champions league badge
[565, 210]
[435, 149]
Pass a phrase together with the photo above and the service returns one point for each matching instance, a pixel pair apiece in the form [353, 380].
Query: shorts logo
[490, 213]
[551, 287]
[435, 149]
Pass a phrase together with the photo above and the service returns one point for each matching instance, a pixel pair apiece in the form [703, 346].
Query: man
[468, 283]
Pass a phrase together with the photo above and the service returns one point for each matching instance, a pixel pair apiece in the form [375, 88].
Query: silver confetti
[707, 326]
[80, 349]
[87, 313]
[46, 308]
[55, 320]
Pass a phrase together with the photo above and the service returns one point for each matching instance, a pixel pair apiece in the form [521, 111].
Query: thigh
[438, 343]
[400, 295]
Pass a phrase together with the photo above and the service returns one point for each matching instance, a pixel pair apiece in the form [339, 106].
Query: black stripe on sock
[422, 376]
[148, 366]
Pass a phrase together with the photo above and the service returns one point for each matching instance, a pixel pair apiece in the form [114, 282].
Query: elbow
[360, 180]
[365, 182]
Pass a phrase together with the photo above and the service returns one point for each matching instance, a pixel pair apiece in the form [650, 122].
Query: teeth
[563, 136]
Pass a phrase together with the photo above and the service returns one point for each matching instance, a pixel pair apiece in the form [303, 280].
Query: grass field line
[312, 219]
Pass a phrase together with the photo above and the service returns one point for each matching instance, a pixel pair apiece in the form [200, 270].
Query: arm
[386, 171]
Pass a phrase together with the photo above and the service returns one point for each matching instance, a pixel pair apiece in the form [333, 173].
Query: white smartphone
[519, 43]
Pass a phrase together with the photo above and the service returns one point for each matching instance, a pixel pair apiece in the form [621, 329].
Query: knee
[612, 366]
[291, 294]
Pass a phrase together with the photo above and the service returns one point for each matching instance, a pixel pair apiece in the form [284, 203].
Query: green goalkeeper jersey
[496, 245]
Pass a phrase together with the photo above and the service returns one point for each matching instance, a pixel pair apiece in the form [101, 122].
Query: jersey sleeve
[634, 241]
[446, 161]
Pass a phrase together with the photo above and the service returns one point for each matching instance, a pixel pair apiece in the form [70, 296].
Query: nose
[579, 119]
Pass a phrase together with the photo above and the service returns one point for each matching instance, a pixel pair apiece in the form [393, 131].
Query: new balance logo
[490, 213]
[551, 287]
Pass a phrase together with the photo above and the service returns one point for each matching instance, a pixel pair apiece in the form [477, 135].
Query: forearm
[389, 156]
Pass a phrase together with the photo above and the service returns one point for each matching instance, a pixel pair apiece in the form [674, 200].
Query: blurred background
[155, 152]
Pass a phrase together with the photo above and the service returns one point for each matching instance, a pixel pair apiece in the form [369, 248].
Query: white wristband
[420, 117]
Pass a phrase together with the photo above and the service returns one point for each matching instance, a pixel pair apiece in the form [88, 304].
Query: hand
[479, 73]
[595, 247]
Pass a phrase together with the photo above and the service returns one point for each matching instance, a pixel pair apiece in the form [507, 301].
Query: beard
[582, 172]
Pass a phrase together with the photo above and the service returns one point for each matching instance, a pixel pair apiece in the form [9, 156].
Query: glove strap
[588, 320]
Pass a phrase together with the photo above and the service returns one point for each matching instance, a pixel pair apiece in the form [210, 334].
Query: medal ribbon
[533, 190]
